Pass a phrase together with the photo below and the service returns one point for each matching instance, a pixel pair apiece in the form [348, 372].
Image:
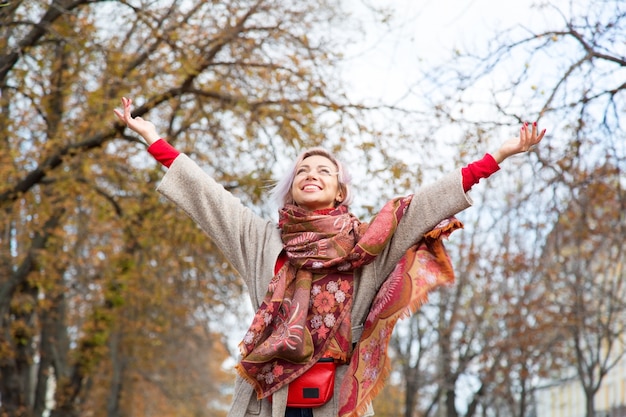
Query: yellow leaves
[21, 332]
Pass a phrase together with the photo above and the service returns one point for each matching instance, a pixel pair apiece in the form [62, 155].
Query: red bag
[315, 387]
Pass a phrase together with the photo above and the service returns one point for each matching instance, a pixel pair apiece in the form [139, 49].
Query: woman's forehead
[316, 160]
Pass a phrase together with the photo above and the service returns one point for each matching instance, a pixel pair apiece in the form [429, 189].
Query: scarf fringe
[255, 384]
[443, 229]
[246, 377]
[376, 389]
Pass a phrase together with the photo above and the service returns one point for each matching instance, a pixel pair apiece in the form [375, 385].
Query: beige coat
[252, 245]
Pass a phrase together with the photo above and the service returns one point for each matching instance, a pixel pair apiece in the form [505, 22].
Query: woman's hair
[281, 192]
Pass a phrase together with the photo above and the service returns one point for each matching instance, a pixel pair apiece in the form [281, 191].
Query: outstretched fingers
[124, 115]
[530, 137]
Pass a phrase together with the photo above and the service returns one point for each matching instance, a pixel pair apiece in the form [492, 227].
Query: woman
[327, 289]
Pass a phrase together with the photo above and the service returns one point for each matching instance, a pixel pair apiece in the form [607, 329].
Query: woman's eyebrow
[309, 166]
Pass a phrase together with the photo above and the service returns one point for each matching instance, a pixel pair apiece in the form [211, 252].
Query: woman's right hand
[146, 129]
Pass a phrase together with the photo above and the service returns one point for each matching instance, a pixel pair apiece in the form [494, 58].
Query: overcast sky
[425, 33]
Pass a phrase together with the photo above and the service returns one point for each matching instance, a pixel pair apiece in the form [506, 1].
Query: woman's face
[315, 185]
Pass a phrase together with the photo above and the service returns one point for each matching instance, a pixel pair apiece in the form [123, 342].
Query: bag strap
[357, 331]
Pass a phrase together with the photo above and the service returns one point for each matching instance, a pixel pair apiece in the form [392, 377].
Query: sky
[426, 31]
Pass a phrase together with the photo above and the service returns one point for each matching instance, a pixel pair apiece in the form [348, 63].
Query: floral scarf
[306, 312]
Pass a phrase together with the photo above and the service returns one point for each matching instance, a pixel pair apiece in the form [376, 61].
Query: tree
[479, 345]
[566, 69]
[585, 267]
[102, 283]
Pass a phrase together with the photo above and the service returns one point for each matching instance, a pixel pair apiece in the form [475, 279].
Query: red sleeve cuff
[163, 152]
[475, 171]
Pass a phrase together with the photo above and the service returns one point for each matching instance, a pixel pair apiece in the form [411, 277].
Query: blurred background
[113, 303]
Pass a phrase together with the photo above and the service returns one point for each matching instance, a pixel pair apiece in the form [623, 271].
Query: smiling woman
[325, 286]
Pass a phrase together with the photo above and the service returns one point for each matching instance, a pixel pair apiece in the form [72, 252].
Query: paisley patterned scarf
[306, 312]
[424, 267]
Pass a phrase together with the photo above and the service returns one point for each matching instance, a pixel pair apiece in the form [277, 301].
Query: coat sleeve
[430, 205]
[250, 243]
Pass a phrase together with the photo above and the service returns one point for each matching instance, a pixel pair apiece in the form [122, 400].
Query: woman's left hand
[526, 140]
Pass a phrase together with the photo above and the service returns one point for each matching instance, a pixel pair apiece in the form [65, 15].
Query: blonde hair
[281, 192]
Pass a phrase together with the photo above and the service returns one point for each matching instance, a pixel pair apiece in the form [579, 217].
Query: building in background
[567, 399]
